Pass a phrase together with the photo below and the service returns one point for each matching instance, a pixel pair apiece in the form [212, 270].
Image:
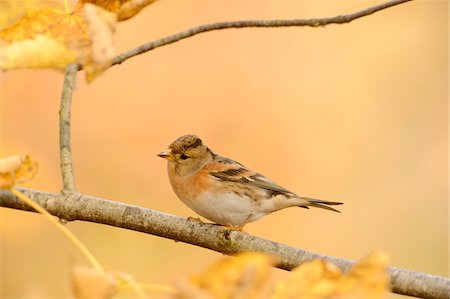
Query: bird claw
[239, 228]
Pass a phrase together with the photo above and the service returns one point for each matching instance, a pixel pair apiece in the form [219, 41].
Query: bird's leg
[235, 227]
[239, 227]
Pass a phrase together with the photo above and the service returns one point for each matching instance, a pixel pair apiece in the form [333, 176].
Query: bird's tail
[318, 203]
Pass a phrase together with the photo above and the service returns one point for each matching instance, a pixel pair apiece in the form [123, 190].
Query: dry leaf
[15, 170]
[246, 275]
[23, 54]
[232, 278]
[53, 38]
[369, 278]
[89, 283]
[109, 5]
[316, 279]
[187, 290]
[101, 25]
[11, 11]
[132, 7]
[44, 38]
[124, 9]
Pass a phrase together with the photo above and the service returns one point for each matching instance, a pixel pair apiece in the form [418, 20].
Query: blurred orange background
[354, 113]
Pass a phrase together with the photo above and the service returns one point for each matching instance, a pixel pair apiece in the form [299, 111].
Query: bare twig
[87, 208]
[64, 129]
[341, 19]
[60, 227]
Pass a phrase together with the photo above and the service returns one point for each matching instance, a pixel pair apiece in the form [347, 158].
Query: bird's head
[187, 154]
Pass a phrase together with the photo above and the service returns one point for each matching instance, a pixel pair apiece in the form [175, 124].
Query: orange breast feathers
[190, 187]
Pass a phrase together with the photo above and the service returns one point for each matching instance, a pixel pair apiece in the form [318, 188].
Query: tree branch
[64, 129]
[73, 206]
[341, 19]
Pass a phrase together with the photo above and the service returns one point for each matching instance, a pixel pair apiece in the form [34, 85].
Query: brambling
[225, 191]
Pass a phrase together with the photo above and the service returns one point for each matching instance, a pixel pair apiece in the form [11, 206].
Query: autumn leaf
[318, 279]
[369, 278]
[124, 9]
[22, 54]
[44, 38]
[130, 8]
[101, 25]
[89, 283]
[11, 11]
[242, 277]
[15, 170]
[246, 275]
[53, 38]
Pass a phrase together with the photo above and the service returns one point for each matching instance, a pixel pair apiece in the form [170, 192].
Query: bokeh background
[354, 113]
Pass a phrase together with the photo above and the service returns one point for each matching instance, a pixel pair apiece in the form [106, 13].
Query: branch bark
[341, 19]
[65, 150]
[73, 206]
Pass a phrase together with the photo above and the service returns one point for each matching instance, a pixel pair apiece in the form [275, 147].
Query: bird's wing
[228, 170]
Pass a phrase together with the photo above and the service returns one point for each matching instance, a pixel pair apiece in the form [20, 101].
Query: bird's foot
[239, 228]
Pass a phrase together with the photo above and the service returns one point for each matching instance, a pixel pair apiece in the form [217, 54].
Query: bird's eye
[183, 157]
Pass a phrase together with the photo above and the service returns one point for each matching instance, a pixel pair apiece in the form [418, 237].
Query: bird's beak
[167, 154]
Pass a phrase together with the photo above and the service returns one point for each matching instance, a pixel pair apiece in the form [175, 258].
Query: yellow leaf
[369, 278]
[101, 25]
[109, 5]
[124, 9]
[241, 277]
[57, 24]
[246, 276]
[89, 283]
[42, 38]
[15, 170]
[38, 52]
[11, 10]
[316, 279]
[53, 38]
[132, 7]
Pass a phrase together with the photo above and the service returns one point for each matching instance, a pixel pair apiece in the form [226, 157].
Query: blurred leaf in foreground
[89, 283]
[246, 276]
[369, 278]
[15, 170]
[240, 277]
[319, 280]
[316, 279]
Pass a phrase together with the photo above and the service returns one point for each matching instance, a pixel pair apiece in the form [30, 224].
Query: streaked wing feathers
[240, 174]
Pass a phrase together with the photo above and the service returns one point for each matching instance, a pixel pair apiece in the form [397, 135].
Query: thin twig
[61, 227]
[64, 129]
[88, 208]
[341, 19]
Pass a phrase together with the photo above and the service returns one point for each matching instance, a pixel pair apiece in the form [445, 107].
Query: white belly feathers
[225, 208]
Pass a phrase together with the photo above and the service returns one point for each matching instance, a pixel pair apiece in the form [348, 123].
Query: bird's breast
[216, 201]
[188, 188]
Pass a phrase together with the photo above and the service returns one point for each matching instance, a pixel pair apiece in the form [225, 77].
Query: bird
[225, 191]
